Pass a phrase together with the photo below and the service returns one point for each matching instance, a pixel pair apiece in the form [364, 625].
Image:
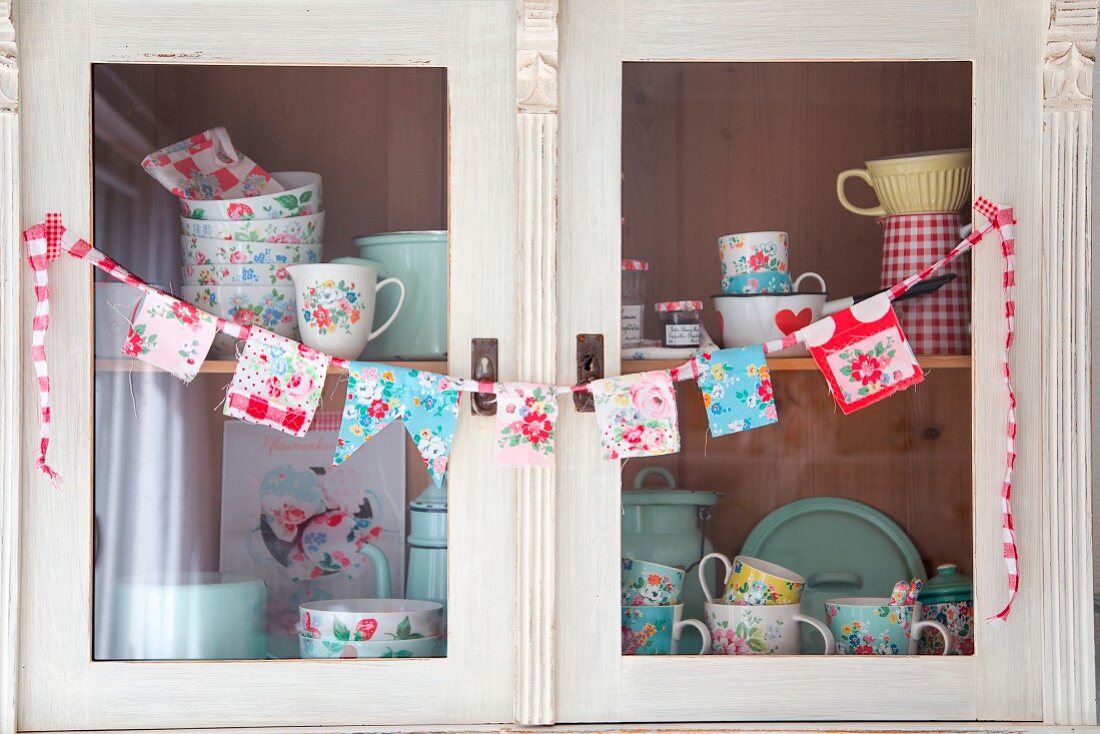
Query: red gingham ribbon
[38, 254]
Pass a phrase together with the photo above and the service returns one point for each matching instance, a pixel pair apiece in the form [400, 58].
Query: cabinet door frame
[1015, 674]
[55, 685]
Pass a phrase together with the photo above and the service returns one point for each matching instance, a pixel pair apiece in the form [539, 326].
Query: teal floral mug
[874, 626]
[656, 630]
[647, 584]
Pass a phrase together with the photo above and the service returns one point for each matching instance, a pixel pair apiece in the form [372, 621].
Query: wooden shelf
[227, 366]
[791, 364]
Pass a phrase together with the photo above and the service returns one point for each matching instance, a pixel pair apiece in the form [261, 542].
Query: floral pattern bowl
[375, 620]
[204, 250]
[426, 647]
[247, 274]
[302, 196]
[309, 228]
[270, 306]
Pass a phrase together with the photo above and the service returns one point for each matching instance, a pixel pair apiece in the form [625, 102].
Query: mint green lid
[946, 586]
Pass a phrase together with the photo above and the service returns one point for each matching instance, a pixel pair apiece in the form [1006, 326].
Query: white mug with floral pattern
[760, 630]
[336, 306]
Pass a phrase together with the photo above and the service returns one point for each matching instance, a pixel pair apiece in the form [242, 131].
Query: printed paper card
[207, 166]
[278, 383]
[527, 416]
[637, 415]
[170, 334]
[425, 402]
[863, 353]
[737, 389]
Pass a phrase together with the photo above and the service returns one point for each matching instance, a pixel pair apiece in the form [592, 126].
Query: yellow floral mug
[752, 582]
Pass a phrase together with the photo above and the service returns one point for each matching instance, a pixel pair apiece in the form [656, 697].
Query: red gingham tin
[937, 323]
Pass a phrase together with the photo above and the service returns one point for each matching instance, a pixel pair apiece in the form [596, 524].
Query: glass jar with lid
[633, 301]
[679, 322]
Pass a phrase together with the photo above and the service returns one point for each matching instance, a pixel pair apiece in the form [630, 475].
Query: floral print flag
[170, 334]
[737, 389]
[863, 353]
[277, 383]
[207, 166]
[425, 402]
[527, 415]
[637, 415]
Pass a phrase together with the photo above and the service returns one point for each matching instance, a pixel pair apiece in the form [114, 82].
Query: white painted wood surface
[59, 687]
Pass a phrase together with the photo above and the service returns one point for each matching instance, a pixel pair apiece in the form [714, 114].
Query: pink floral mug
[335, 304]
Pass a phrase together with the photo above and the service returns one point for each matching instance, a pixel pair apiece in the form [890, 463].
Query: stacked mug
[759, 301]
[652, 609]
[236, 251]
[759, 609]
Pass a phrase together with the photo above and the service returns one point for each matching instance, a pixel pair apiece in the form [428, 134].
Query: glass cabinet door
[767, 527]
[192, 551]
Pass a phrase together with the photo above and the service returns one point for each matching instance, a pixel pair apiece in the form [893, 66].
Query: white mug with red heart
[748, 319]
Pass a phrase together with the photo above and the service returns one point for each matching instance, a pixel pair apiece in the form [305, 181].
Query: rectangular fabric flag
[863, 353]
[278, 383]
[170, 334]
[527, 415]
[637, 415]
[207, 166]
[737, 389]
[425, 402]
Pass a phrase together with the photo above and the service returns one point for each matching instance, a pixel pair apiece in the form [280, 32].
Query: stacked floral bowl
[370, 628]
[235, 251]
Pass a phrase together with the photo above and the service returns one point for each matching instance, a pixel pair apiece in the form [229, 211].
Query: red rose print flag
[526, 418]
[863, 353]
[277, 383]
[170, 334]
[637, 415]
[207, 166]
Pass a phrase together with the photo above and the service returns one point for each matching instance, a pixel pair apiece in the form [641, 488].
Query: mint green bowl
[419, 260]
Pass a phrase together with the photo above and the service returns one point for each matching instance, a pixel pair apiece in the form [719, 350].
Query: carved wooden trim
[1070, 682]
[537, 120]
[1070, 54]
[11, 363]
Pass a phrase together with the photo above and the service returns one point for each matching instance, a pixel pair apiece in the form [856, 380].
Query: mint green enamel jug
[667, 525]
[419, 260]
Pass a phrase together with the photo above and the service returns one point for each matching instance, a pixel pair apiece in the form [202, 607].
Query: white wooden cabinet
[536, 149]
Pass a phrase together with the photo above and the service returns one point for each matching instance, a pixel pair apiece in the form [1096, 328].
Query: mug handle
[919, 627]
[815, 276]
[703, 576]
[873, 211]
[264, 559]
[677, 630]
[382, 587]
[400, 302]
[826, 633]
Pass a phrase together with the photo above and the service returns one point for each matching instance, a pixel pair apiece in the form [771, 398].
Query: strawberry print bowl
[301, 196]
[370, 620]
[426, 647]
[203, 251]
[309, 228]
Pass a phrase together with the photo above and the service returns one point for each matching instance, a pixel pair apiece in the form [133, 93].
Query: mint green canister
[419, 260]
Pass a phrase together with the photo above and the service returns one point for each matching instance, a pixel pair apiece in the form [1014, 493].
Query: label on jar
[632, 323]
[681, 335]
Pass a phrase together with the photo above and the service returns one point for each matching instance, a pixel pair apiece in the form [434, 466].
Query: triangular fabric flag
[171, 334]
[207, 166]
[737, 389]
[527, 416]
[425, 402]
[277, 383]
[637, 415]
[863, 353]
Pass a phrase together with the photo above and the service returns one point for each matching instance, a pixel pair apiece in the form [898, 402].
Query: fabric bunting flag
[737, 389]
[277, 383]
[637, 415]
[863, 353]
[527, 417]
[425, 402]
[207, 166]
[170, 334]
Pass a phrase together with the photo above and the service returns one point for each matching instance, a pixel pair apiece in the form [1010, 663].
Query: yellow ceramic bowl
[910, 184]
[753, 582]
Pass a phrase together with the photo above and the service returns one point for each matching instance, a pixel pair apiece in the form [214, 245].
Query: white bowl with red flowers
[301, 196]
[292, 230]
[363, 620]
[272, 306]
[204, 251]
[229, 274]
